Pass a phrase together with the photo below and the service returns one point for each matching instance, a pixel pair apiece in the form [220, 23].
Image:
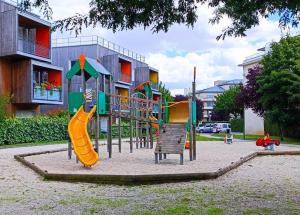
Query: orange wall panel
[126, 68]
[54, 77]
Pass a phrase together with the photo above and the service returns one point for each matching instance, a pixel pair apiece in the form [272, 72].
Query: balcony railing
[34, 48]
[125, 78]
[96, 40]
[47, 95]
[154, 85]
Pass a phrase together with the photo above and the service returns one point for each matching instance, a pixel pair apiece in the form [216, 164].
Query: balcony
[46, 85]
[154, 86]
[47, 95]
[124, 71]
[33, 48]
[125, 78]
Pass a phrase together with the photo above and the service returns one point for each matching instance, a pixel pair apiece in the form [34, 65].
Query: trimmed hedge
[237, 125]
[42, 129]
[36, 129]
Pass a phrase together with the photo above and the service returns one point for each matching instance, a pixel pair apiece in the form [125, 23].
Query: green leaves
[279, 82]
[29, 130]
[226, 102]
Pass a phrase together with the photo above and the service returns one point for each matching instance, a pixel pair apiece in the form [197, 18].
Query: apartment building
[26, 69]
[254, 124]
[128, 69]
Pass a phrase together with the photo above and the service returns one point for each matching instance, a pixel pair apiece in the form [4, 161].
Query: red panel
[42, 42]
[125, 71]
[54, 77]
[155, 97]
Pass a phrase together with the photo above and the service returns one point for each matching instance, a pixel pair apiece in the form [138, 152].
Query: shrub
[4, 100]
[237, 125]
[59, 112]
[29, 130]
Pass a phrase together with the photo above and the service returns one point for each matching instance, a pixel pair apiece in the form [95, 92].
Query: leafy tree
[279, 83]
[166, 94]
[199, 106]
[249, 97]
[219, 116]
[161, 14]
[226, 102]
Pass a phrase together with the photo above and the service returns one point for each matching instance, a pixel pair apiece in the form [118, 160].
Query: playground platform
[214, 159]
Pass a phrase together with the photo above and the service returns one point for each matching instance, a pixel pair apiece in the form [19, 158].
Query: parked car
[224, 127]
[207, 128]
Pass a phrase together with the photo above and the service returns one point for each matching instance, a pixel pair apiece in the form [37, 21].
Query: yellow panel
[123, 92]
[154, 77]
[179, 113]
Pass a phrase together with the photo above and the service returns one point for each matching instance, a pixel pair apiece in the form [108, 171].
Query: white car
[224, 127]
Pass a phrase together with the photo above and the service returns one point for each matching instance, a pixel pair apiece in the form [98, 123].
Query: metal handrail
[96, 40]
[34, 48]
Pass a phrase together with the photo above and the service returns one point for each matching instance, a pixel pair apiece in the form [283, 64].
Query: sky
[176, 52]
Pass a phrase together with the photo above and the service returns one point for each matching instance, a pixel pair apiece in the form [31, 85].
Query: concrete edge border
[141, 179]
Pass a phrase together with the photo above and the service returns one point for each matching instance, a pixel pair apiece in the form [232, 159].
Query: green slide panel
[76, 100]
[102, 106]
[194, 113]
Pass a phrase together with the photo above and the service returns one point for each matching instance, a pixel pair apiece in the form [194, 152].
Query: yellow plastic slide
[81, 141]
[154, 125]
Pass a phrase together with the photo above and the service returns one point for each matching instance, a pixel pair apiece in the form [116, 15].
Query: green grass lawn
[204, 138]
[255, 137]
[33, 144]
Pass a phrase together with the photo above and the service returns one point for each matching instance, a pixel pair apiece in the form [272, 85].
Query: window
[210, 104]
[40, 77]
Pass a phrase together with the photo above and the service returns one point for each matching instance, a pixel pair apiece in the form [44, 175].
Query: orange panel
[42, 41]
[54, 77]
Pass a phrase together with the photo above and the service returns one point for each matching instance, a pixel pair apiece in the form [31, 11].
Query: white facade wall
[254, 124]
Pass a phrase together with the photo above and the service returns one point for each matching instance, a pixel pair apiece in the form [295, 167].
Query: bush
[237, 125]
[59, 112]
[4, 100]
[29, 130]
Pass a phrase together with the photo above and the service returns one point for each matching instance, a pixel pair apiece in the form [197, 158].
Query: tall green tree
[279, 83]
[226, 102]
[166, 94]
[159, 15]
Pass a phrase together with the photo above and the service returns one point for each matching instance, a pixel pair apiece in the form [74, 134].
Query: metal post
[109, 133]
[147, 124]
[130, 125]
[97, 118]
[69, 116]
[190, 133]
[194, 126]
[119, 124]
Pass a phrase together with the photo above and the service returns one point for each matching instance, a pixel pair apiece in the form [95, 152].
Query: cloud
[176, 52]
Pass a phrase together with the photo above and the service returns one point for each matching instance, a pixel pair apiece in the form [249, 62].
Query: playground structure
[137, 109]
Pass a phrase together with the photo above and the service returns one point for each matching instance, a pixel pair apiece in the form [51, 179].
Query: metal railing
[34, 48]
[124, 77]
[154, 85]
[96, 40]
[47, 95]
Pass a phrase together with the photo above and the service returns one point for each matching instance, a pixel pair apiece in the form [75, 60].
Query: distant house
[208, 95]
[254, 124]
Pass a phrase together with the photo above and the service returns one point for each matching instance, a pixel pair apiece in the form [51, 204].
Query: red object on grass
[265, 142]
